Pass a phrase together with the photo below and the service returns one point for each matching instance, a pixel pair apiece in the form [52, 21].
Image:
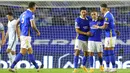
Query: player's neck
[30, 9]
[95, 19]
[83, 17]
[11, 19]
[105, 12]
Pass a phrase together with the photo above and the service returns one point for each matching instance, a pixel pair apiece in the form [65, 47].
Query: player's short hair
[10, 13]
[82, 8]
[31, 4]
[94, 10]
[104, 5]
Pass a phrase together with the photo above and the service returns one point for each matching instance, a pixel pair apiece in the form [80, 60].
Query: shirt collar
[94, 20]
[83, 18]
[106, 13]
[11, 20]
[29, 10]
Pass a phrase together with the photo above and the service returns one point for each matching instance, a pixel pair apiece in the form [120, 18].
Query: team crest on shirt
[98, 23]
[85, 27]
[106, 19]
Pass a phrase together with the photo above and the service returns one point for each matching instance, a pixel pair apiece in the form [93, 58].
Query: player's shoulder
[14, 20]
[89, 18]
[77, 19]
[108, 14]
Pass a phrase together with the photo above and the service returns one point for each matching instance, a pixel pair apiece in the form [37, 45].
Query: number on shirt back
[23, 18]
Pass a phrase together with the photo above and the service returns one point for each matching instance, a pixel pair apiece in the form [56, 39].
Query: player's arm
[105, 25]
[3, 34]
[17, 28]
[33, 25]
[6, 36]
[77, 28]
[84, 33]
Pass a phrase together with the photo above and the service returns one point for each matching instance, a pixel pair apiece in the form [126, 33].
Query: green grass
[58, 71]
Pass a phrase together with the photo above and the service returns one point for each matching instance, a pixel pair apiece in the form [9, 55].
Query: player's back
[96, 32]
[109, 19]
[83, 25]
[25, 25]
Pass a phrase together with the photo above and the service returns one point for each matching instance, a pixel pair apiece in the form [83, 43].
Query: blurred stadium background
[55, 20]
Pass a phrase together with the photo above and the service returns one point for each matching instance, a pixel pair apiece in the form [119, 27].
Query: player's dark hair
[104, 5]
[94, 10]
[82, 8]
[31, 4]
[10, 13]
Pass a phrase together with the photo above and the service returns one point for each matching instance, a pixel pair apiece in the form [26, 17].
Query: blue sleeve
[107, 19]
[32, 17]
[101, 23]
[77, 23]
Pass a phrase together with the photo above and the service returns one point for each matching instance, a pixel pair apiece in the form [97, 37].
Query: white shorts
[12, 44]
[25, 42]
[110, 41]
[94, 46]
[81, 45]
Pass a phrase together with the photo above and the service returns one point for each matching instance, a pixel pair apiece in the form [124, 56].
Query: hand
[38, 33]
[95, 26]
[89, 34]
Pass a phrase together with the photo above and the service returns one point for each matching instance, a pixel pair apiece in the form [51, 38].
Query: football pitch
[58, 71]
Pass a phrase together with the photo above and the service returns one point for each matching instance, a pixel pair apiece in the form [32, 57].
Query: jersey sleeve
[1, 27]
[32, 17]
[77, 23]
[14, 22]
[107, 19]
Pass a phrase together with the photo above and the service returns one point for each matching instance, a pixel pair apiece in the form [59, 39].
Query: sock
[32, 59]
[10, 57]
[100, 60]
[91, 61]
[13, 57]
[84, 60]
[76, 58]
[106, 54]
[17, 59]
[112, 58]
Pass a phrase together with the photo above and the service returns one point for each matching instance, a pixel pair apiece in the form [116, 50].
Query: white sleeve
[1, 27]
[76, 25]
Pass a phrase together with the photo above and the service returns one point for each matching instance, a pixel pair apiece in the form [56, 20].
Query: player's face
[102, 9]
[94, 15]
[34, 8]
[9, 17]
[83, 12]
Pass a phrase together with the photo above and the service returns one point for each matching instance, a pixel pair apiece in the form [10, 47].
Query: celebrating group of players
[89, 30]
